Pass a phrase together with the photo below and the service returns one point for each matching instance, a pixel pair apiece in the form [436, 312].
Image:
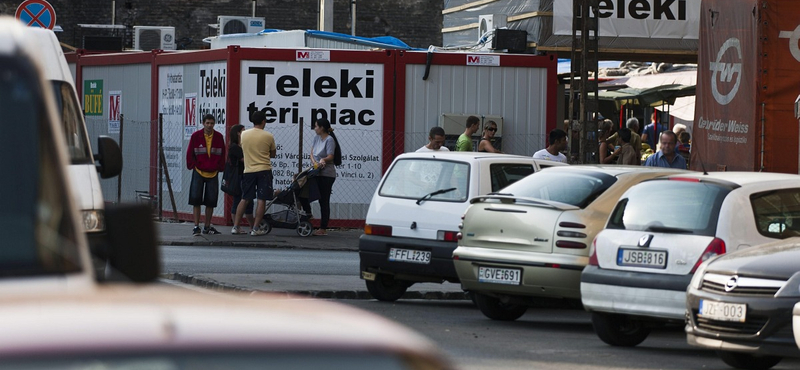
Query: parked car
[663, 229]
[158, 327]
[531, 239]
[740, 304]
[413, 218]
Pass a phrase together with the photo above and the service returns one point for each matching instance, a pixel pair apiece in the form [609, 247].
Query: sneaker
[258, 232]
[236, 231]
[210, 230]
[196, 231]
[320, 232]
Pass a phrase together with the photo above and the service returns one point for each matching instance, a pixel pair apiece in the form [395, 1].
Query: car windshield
[212, 361]
[414, 178]
[72, 120]
[670, 206]
[40, 235]
[777, 213]
[578, 188]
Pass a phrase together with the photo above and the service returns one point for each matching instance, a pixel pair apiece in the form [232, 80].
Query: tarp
[649, 97]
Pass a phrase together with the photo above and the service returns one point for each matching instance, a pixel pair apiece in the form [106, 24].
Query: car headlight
[792, 287]
[697, 278]
[94, 221]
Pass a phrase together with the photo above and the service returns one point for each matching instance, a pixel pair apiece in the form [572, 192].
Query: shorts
[203, 191]
[257, 185]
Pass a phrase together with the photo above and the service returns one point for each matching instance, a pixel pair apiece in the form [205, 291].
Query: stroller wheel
[304, 228]
[265, 226]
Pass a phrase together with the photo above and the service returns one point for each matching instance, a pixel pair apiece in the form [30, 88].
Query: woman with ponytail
[325, 156]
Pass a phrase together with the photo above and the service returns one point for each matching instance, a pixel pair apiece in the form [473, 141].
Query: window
[578, 188]
[72, 119]
[414, 178]
[777, 213]
[670, 206]
[505, 174]
[40, 235]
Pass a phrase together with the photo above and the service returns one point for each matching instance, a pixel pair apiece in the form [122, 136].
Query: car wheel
[494, 309]
[305, 228]
[748, 361]
[386, 288]
[619, 330]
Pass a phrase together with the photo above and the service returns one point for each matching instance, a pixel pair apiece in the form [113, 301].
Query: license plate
[642, 258]
[722, 311]
[409, 255]
[499, 276]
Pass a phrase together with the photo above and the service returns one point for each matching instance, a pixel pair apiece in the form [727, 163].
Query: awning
[650, 97]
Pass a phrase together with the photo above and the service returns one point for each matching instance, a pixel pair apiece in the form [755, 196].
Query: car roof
[147, 319]
[742, 178]
[473, 157]
[618, 170]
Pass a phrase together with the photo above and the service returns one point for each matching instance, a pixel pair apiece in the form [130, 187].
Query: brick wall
[417, 22]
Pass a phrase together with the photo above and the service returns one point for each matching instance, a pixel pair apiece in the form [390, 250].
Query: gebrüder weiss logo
[723, 72]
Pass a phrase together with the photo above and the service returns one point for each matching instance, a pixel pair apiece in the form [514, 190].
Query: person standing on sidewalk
[236, 159]
[325, 154]
[464, 142]
[258, 146]
[206, 157]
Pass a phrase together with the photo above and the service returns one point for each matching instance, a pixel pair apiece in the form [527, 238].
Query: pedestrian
[650, 131]
[485, 145]
[608, 154]
[325, 155]
[666, 156]
[636, 141]
[258, 146]
[627, 154]
[435, 141]
[558, 143]
[464, 143]
[236, 160]
[205, 155]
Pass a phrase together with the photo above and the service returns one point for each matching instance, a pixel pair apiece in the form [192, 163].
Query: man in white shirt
[435, 141]
[558, 143]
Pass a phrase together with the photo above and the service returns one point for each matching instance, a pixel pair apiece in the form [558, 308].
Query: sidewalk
[319, 286]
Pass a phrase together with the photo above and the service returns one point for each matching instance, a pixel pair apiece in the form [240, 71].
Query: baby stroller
[284, 210]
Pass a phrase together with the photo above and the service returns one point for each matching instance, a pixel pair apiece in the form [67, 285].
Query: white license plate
[642, 258]
[499, 276]
[409, 255]
[722, 311]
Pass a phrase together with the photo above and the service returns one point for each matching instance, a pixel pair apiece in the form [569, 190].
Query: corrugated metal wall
[134, 82]
[517, 94]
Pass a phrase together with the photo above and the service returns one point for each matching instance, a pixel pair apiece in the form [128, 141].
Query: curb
[212, 284]
[250, 245]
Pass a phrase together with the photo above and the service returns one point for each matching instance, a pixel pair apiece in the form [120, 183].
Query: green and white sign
[93, 97]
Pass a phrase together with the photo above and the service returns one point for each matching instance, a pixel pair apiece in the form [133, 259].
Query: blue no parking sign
[37, 13]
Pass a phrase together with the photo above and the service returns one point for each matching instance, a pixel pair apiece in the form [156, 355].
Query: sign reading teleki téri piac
[349, 95]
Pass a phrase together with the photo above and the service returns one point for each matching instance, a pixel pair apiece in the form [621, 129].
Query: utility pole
[583, 61]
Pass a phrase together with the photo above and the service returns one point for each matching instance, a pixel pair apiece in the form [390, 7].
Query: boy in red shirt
[206, 157]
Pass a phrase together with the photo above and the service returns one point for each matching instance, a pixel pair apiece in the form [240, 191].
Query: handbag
[231, 180]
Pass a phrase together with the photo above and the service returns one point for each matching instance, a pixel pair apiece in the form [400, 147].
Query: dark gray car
[740, 304]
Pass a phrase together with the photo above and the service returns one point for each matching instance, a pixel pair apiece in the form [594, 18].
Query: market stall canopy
[649, 97]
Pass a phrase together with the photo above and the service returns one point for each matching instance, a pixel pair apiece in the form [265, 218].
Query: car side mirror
[109, 157]
[132, 243]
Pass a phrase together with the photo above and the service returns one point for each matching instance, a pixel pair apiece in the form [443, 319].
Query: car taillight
[716, 247]
[570, 245]
[379, 230]
[573, 225]
[448, 236]
[593, 254]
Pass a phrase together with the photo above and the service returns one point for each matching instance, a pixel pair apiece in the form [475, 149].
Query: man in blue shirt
[650, 131]
[666, 157]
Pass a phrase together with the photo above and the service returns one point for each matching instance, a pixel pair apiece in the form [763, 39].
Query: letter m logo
[473, 59]
[190, 112]
[303, 55]
[113, 107]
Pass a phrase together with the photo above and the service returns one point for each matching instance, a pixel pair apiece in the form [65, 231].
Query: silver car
[662, 230]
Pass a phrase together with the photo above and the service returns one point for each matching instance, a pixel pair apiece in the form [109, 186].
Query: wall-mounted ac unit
[490, 22]
[232, 24]
[149, 37]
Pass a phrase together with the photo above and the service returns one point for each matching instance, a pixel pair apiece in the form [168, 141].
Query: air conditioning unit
[490, 22]
[232, 24]
[150, 37]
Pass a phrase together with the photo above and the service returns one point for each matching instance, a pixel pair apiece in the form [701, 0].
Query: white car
[532, 239]
[412, 221]
[662, 230]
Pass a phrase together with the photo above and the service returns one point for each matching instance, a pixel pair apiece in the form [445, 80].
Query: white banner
[170, 87]
[349, 95]
[658, 19]
[114, 111]
[213, 91]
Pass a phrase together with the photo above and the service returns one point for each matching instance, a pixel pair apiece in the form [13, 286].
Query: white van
[83, 172]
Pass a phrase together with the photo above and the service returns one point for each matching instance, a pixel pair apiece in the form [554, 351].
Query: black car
[740, 304]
